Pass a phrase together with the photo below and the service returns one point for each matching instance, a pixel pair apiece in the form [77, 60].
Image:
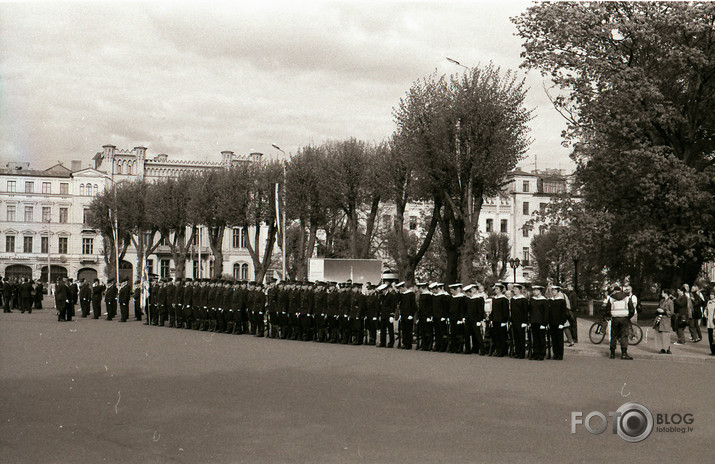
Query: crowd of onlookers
[685, 308]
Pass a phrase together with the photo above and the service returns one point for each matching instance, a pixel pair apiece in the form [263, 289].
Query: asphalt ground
[99, 391]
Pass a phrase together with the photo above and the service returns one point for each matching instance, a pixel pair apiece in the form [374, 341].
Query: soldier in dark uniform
[97, 292]
[137, 296]
[408, 312]
[474, 312]
[440, 311]
[355, 315]
[61, 299]
[556, 316]
[25, 295]
[344, 311]
[284, 307]
[179, 288]
[294, 311]
[153, 298]
[500, 321]
[273, 309]
[170, 292]
[110, 299]
[537, 317]
[388, 308]
[197, 304]
[332, 314]
[214, 300]
[187, 303]
[85, 297]
[259, 305]
[456, 314]
[425, 317]
[372, 313]
[519, 306]
[73, 294]
[319, 316]
[125, 292]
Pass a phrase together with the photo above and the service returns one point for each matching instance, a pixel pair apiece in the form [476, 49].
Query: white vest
[619, 308]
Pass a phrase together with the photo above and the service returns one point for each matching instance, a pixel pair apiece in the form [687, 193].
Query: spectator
[698, 300]
[681, 304]
[710, 317]
[662, 322]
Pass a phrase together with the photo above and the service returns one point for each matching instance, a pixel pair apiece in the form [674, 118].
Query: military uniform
[500, 321]
[519, 323]
[537, 316]
[408, 311]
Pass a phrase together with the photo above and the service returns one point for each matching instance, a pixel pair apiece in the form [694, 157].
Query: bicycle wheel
[597, 333]
[635, 335]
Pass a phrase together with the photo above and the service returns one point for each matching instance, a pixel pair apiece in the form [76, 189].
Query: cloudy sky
[192, 79]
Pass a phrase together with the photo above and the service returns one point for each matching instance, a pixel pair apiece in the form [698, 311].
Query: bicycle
[597, 332]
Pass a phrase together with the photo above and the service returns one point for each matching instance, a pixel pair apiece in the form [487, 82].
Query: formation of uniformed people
[435, 317]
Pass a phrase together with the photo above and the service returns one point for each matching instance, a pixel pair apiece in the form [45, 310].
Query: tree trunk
[216, 242]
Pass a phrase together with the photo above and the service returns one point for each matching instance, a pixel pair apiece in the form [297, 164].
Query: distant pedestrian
[6, 295]
[681, 304]
[698, 300]
[621, 310]
[62, 300]
[662, 324]
[709, 314]
[85, 297]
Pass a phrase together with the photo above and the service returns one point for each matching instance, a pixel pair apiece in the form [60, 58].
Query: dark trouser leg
[712, 342]
[519, 334]
[407, 333]
[124, 310]
[557, 341]
[539, 341]
[61, 308]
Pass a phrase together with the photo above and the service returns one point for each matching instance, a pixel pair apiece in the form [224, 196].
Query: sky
[193, 79]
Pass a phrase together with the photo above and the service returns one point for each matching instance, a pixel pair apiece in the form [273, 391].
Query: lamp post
[49, 260]
[457, 63]
[514, 263]
[283, 213]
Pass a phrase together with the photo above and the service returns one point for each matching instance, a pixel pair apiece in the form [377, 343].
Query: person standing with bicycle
[621, 309]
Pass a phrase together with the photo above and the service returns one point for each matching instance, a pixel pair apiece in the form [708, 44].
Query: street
[98, 391]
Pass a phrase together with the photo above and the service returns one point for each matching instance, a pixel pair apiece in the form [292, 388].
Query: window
[525, 208]
[46, 214]
[196, 269]
[413, 222]
[64, 188]
[236, 237]
[63, 215]
[195, 240]
[27, 245]
[11, 213]
[10, 244]
[504, 228]
[525, 231]
[44, 244]
[526, 186]
[46, 187]
[11, 186]
[62, 245]
[490, 225]
[87, 246]
[211, 268]
[149, 266]
[85, 216]
[95, 190]
[164, 271]
[29, 187]
[29, 213]
[525, 256]
[243, 238]
[244, 271]
[236, 271]
[81, 190]
[542, 208]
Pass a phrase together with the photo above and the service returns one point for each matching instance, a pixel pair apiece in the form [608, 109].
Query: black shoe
[626, 356]
[662, 351]
[613, 355]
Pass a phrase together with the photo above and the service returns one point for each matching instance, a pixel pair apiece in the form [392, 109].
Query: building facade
[510, 213]
[43, 218]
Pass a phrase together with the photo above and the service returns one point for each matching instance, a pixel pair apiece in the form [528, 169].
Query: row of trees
[456, 138]
[636, 84]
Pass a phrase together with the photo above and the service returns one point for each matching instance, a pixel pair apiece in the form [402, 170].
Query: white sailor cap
[457, 285]
[468, 287]
[381, 287]
[400, 284]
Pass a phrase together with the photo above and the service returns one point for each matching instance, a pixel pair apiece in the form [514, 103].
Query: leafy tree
[168, 207]
[465, 134]
[401, 184]
[101, 218]
[498, 251]
[636, 84]
[136, 219]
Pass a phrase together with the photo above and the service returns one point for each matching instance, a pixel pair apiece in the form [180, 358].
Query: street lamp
[283, 213]
[514, 263]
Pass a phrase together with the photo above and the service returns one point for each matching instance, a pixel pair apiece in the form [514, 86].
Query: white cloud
[191, 80]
